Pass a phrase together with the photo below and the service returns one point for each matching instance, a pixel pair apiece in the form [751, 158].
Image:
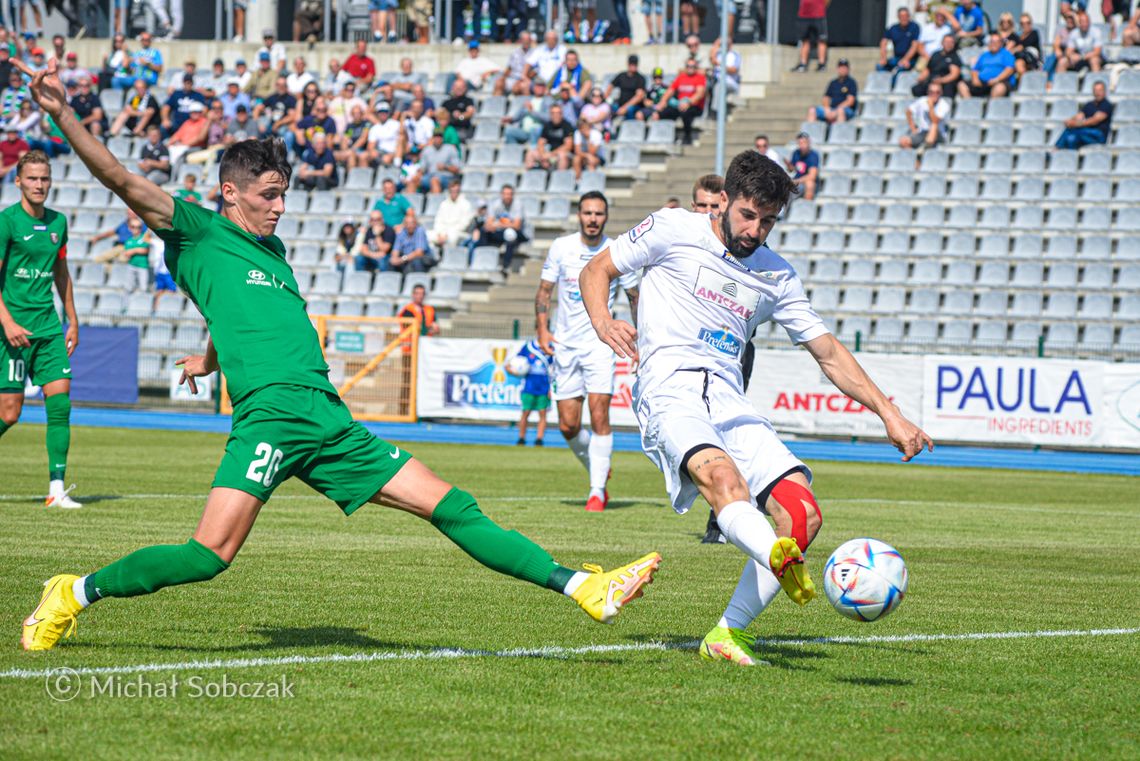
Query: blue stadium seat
[1033, 83]
[993, 246]
[967, 161]
[890, 300]
[860, 271]
[480, 156]
[958, 331]
[958, 301]
[561, 181]
[1096, 247]
[960, 273]
[995, 216]
[1000, 162]
[895, 243]
[556, 208]
[1028, 246]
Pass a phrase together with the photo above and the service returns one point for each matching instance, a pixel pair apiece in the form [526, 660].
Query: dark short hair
[245, 161]
[761, 137]
[507, 186]
[758, 179]
[710, 183]
[594, 195]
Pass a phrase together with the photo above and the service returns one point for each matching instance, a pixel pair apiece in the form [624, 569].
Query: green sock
[152, 568]
[458, 517]
[58, 409]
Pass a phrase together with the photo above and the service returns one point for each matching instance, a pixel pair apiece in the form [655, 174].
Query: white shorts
[577, 373]
[682, 414]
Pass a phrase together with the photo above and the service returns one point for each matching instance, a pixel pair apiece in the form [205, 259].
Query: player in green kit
[33, 257]
[288, 419]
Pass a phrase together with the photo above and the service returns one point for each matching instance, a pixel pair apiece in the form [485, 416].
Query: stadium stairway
[778, 114]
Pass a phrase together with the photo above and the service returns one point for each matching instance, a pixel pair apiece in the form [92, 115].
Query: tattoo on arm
[542, 304]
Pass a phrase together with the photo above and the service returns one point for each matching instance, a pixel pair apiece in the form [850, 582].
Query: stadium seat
[825, 298]
[1031, 110]
[287, 226]
[412, 279]
[842, 133]
[1097, 337]
[626, 157]
[829, 269]
[1062, 305]
[926, 273]
[1096, 306]
[996, 217]
[1129, 307]
[851, 326]
[930, 215]
[349, 306]
[958, 301]
[928, 244]
[97, 198]
[893, 271]
[501, 177]
[898, 215]
[868, 187]
[485, 259]
[994, 274]
[1096, 218]
[631, 132]
[999, 135]
[591, 181]
[863, 242]
[860, 271]
[835, 213]
[1128, 191]
[797, 240]
[842, 160]
[1064, 83]
[387, 284]
[556, 208]
[139, 304]
[1096, 276]
[904, 82]
[158, 335]
[323, 203]
[968, 110]
[358, 178]
[895, 243]
[1128, 279]
[473, 181]
[890, 300]
[999, 162]
[661, 133]
[326, 283]
[84, 301]
[379, 309]
[1026, 304]
[1128, 136]
[996, 189]
[878, 83]
[121, 277]
[357, 283]
[922, 330]
[314, 229]
[961, 244]
[561, 181]
[487, 132]
[1061, 334]
[1062, 275]
[932, 188]
[999, 109]
[1028, 218]
[1062, 218]
[1129, 162]
[354, 205]
[319, 305]
[446, 287]
[966, 134]
[802, 213]
[900, 187]
[924, 301]
[966, 189]
[960, 273]
[875, 108]
[453, 259]
[991, 333]
[1063, 247]
[1026, 333]
[1028, 246]
[533, 181]
[1091, 78]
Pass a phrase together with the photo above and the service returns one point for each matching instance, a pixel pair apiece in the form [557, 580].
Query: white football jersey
[698, 304]
[567, 257]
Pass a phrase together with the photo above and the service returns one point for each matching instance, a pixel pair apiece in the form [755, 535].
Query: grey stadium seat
[958, 301]
[958, 331]
[1062, 305]
[1062, 275]
[1025, 332]
[1028, 246]
[927, 273]
[994, 274]
[1062, 218]
[387, 284]
[1028, 218]
[924, 301]
[1096, 306]
[1097, 276]
[1061, 334]
[1063, 247]
[960, 273]
[1028, 275]
[890, 300]
[893, 271]
[888, 329]
[923, 330]
[825, 298]
[856, 299]
[995, 217]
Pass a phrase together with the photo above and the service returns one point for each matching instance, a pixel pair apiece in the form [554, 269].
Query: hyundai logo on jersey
[722, 341]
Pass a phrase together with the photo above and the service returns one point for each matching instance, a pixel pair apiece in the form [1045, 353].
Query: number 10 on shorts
[264, 467]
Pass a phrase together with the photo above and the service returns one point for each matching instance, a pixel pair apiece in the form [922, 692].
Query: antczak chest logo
[726, 292]
[722, 341]
[257, 277]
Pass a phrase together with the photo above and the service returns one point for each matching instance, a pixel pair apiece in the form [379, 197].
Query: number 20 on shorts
[264, 468]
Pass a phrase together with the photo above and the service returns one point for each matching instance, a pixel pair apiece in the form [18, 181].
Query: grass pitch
[988, 552]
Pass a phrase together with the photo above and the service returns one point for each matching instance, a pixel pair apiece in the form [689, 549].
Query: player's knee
[10, 416]
[725, 484]
[569, 428]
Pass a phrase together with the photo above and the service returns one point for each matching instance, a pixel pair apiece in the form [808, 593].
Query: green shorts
[44, 361]
[535, 402]
[283, 431]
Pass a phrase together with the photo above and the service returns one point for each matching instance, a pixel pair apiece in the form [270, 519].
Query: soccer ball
[865, 579]
[518, 365]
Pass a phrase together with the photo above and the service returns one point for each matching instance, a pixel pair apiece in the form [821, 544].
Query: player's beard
[736, 246]
[592, 240]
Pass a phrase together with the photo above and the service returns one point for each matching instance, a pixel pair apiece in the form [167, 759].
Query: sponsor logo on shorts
[726, 292]
[722, 341]
[256, 277]
[645, 226]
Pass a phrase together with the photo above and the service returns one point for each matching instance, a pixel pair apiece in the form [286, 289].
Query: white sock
[746, 528]
[575, 582]
[80, 592]
[55, 487]
[601, 451]
[756, 589]
[580, 446]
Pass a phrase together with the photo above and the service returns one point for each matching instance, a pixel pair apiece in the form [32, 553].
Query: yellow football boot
[732, 645]
[54, 617]
[787, 562]
[603, 593]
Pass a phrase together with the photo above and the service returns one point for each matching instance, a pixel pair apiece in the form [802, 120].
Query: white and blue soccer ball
[865, 579]
[518, 365]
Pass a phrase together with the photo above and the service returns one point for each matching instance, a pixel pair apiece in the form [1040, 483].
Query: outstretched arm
[144, 197]
[842, 369]
[594, 285]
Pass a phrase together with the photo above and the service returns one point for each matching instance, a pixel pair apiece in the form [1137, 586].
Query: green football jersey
[246, 291]
[30, 248]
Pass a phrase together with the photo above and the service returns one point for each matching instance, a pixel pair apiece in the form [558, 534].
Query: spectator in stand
[25, 121]
[899, 47]
[1091, 125]
[1131, 34]
[574, 75]
[944, 67]
[352, 141]
[513, 79]
[452, 218]
[163, 282]
[121, 233]
[241, 127]
[1007, 31]
[263, 81]
[179, 105]
[598, 113]
[233, 98]
[336, 78]
[654, 95]
[555, 144]
[87, 107]
[136, 249]
[503, 226]
[11, 149]
[418, 127]
[14, 94]
[970, 23]
[706, 194]
[154, 158]
[992, 74]
[300, 76]
[733, 63]
[764, 148]
[373, 248]
[243, 75]
[306, 100]
[146, 62]
[342, 106]
[564, 97]
[399, 88]
[475, 69]
[654, 13]
[385, 139]
[317, 170]
[425, 313]
[215, 138]
[277, 55]
[630, 86]
[394, 207]
[461, 107]
[192, 134]
[345, 242]
[72, 72]
[574, 10]
[1084, 48]
[383, 15]
[672, 202]
[441, 164]
[411, 252]
[933, 33]
[689, 89]
[525, 124]
[804, 165]
[840, 100]
[1060, 43]
[811, 26]
[450, 135]
[116, 64]
[188, 71]
[588, 142]
[926, 120]
[38, 60]
[316, 123]
[361, 66]
[5, 63]
[59, 47]
[49, 138]
[140, 112]
[690, 17]
[546, 59]
[420, 14]
[536, 389]
[277, 114]
[308, 21]
[1025, 46]
[214, 83]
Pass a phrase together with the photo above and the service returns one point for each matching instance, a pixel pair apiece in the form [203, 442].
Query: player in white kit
[707, 283]
[583, 365]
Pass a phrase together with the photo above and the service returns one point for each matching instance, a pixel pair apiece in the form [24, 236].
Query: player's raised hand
[45, 86]
[193, 366]
[71, 338]
[620, 336]
[16, 335]
[908, 438]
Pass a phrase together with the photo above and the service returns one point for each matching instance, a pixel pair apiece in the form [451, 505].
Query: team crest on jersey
[641, 229]
[55, 237]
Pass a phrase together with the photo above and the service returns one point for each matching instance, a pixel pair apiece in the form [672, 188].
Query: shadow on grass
[875, 681]
[614, 504]
[790, 658]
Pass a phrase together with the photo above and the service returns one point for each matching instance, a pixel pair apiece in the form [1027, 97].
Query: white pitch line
[540, 652]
